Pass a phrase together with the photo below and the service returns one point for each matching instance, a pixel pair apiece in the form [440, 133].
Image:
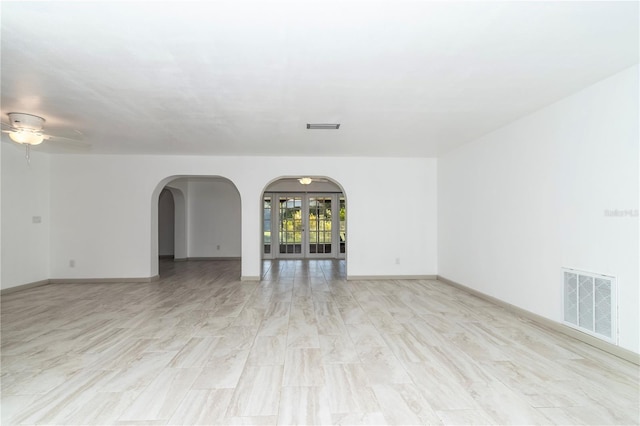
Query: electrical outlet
[72, 263]
[218, 247]
[397, 260]
[36, 219]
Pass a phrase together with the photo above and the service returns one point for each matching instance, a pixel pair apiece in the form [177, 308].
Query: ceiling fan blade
[74, 137]
[8, 126]
[53, 138]
[59, 141]
[61, 147]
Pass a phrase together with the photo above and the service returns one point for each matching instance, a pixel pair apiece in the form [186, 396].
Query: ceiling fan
[27, 129]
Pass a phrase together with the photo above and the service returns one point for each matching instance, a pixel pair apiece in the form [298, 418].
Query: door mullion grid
[335, 226]
[276, 225]
[305, 225]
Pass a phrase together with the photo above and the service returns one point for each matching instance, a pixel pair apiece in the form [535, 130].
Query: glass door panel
[303, 225]
[319, 228]
[266, 226]
[290, 231]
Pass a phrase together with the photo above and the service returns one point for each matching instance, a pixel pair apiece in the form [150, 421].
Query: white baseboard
[103, 280]
[618, 351]
[213, 258]
[76, 280]
[390, 277]
[250, 278]
[24, 287]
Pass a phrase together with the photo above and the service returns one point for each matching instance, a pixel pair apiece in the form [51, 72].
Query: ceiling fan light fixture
[323, 126]
[305, 180]
[26, 137]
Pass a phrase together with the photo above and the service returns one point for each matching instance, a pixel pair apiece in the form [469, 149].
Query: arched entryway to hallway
[304, 218]
[206, 220]
[172, 222]
[166, 225]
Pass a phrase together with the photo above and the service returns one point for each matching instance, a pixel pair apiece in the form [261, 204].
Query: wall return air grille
[591, 303]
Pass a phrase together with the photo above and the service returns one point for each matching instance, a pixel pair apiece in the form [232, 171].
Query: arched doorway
[304, 219]
[206, 219]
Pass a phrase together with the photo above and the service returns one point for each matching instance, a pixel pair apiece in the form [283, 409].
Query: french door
[303, 225]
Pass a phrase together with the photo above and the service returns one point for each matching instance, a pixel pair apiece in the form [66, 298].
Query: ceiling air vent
[323, 126]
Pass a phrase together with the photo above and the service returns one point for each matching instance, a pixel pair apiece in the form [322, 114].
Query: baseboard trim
[618, 351]
[23, 287]
[103, 280]
[390, 277]
[250, 278]
[166, 256]
[179, 259]
[213, 258]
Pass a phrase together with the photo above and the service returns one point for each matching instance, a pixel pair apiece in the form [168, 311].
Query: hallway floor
[303, 346]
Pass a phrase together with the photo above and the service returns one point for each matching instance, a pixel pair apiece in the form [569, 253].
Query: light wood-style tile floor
[303, 346]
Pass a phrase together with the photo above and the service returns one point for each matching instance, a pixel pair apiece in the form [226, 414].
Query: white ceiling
[404, 78]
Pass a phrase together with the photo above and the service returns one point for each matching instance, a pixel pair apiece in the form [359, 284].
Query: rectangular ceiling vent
[323, 126]
[591, 303]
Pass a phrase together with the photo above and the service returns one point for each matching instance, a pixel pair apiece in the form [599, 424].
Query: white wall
[104, 220]
[25, 194]
[214, 218]
[520, 203]
[166, 224]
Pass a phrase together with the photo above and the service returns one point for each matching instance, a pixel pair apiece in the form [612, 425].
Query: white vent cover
[591, 303]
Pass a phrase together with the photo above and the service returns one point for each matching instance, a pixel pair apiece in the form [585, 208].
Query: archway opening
[206, 220]
[304, 218]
